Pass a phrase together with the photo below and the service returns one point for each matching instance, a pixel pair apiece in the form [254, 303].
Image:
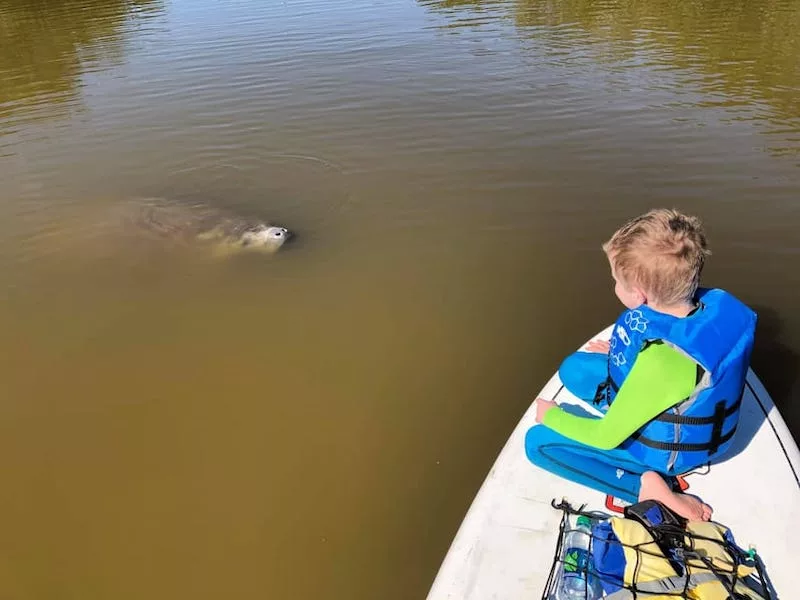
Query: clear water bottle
[576, 582]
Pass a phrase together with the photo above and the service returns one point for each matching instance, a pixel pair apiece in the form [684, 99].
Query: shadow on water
[741, 55]
[776, 364]
[48, 45]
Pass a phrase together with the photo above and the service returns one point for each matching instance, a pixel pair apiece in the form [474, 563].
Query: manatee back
[163, 218]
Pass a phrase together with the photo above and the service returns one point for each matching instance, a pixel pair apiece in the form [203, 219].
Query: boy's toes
[707, 512]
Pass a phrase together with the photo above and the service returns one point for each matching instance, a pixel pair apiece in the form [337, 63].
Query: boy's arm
[660, 378]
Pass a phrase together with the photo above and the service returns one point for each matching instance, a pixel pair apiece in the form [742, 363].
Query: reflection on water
[742, 55]
[48, 46]
[315, 423]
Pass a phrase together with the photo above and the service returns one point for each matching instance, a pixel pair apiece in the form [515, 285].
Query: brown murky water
[315, 424]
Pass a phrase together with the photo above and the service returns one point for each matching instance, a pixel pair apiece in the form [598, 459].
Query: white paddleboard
[505, 545]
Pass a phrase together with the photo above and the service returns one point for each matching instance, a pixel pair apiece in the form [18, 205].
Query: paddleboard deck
[504, 546]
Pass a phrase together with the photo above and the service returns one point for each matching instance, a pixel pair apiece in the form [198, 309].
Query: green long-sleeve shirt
[660, 378]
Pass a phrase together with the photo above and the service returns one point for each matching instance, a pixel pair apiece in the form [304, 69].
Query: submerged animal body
[187, 223]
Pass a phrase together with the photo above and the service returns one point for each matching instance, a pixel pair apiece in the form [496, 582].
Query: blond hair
[662, 252]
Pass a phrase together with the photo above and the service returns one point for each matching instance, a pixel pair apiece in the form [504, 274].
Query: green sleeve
[660, 378]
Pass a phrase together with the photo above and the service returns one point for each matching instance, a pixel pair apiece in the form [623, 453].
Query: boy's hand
[542, 407]
[599, 346]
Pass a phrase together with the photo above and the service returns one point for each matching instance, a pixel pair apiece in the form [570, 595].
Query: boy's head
[657, 258]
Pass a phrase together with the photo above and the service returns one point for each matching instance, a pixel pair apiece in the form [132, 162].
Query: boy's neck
[676, 310]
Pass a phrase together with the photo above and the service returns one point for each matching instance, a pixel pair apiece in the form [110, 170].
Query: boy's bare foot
[690, 507]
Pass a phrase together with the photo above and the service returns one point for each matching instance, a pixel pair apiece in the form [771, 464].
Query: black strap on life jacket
[604, 391]
[717, 438]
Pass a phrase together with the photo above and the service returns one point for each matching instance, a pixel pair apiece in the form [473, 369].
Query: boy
[669, 381]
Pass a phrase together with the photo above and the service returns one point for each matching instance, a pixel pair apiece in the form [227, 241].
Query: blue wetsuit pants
[613, 472]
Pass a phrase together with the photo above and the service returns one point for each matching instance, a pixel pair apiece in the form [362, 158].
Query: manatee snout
[267, 237]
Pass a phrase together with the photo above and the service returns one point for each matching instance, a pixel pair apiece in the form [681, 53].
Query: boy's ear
[640, 295]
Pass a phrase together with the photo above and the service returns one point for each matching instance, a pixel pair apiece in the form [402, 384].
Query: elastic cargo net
[653, 554]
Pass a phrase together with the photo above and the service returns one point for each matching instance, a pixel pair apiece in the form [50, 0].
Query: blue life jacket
[718, 336]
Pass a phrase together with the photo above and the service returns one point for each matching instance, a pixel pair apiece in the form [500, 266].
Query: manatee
[196, 223]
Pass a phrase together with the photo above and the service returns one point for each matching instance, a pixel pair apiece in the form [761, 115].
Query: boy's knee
[533, 440]
[571, 364]
[582, 372]
[536, 438]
